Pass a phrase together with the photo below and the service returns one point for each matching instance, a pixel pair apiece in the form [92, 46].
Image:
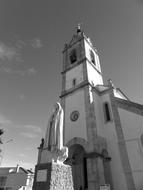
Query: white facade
[77, 74]
[78, 128]
[132, 125]
[101, 117]
[107, 130]
[102, 127]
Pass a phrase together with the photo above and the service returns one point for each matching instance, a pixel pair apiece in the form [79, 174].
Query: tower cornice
[76, 39]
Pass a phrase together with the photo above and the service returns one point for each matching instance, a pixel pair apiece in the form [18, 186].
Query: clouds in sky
[22, 163]
[34, 128]
[31, 131]
[14, 132]
[4, 120]
[29, 135]
[9, 53]
[21, 97]
[27, 131]
[36, 43]
[27, 72]
[6, 52]
[12, 52]
[22, 155]
[31, 71]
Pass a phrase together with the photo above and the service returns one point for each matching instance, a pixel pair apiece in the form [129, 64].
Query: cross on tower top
[78, 27]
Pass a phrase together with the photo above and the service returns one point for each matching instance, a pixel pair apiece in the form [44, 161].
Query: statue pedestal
[53, 176]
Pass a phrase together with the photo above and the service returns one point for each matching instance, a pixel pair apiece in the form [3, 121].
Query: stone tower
[81, 73]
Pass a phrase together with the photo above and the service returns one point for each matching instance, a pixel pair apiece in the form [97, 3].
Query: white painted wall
[93, 76]
[104, 129]
[77, 128]
[77, 73]
[132, 125]
[87, 54]
[107, 130]
[99, 114]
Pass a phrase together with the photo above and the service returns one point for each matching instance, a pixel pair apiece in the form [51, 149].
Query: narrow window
[107, 112]
[73, 56]
[92, 57]
[74, 82]
[85, 173]
[141, 138]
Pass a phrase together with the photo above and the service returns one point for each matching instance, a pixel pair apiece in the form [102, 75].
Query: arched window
[107, 112]
[92, 57]
[73, 56]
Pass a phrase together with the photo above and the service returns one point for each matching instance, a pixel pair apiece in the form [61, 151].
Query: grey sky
[32, 37]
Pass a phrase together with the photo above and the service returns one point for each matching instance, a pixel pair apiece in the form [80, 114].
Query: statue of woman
[54, 135]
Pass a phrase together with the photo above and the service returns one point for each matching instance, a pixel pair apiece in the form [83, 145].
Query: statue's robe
[54, 135]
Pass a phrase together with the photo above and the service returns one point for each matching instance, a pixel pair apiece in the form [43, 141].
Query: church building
[103, 129]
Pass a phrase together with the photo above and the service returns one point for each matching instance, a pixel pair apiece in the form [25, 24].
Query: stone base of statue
[53, 176]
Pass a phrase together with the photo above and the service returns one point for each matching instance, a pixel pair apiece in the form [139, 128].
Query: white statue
[54, 135]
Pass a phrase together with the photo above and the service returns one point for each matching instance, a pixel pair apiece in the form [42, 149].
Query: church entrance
[79, 168]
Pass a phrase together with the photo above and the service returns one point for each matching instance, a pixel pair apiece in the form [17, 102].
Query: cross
[78, 27]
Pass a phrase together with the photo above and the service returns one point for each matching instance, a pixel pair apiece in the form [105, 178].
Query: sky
[32, 37]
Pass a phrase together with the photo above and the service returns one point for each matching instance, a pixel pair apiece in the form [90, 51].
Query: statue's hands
[60, 155]
[63, 154]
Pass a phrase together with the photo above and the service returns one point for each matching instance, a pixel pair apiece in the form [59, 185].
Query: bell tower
[80, 62]
[81, 72]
